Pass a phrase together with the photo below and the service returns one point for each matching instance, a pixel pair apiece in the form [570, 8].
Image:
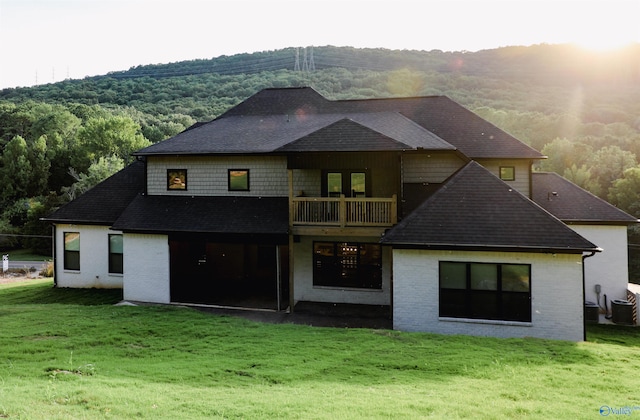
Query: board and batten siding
[556, 295]
[208, 176]
[94, 258]
[146, 267]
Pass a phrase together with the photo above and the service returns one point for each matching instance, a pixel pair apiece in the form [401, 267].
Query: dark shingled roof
[220, 215]
[273, 119]
[476, 210]
[102, 204]
[572, 204]
[379, 131]
[271, 133]
[472, 135]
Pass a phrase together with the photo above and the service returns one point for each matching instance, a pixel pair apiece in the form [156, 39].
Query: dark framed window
[347, 264]
[176, 179]
[334, 184]
[238, 179]
[116, 254]
[72, 251]
[508, 173]
[485, 291]
[351, 183]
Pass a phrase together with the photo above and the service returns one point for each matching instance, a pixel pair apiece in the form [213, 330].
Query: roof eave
[601, 222]
[78, 222]
[496, 248]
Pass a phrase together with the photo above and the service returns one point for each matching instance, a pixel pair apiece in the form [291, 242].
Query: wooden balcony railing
[343, 212]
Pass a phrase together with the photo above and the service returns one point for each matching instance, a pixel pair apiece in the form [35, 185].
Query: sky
[46, 41]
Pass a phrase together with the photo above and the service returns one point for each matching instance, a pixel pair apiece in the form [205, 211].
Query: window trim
[173, 174]
[506, 176]
[67, 252]
[112, 254]
[470, 299]
[229, 183]
[346, 182]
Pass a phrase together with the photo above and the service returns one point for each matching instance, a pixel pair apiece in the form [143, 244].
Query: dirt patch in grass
[16, 277]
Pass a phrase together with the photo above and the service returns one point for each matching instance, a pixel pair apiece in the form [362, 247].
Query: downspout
[292, 300]
[584, 297]
[530, 180]
[144, 161]
[55, 259]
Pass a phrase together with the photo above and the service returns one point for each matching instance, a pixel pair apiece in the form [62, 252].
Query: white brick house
[289, 197]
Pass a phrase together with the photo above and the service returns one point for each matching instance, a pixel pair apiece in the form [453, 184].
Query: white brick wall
[556, 290]
[208, 176]
[609, 268]
[304, 290]
[94, 258]
[146, 267]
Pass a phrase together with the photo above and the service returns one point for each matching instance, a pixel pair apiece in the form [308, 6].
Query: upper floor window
[508, 173]
[349, 183]
[485, 291]
[72, 251]
[116, 254]
[176, 179]
[238, 180]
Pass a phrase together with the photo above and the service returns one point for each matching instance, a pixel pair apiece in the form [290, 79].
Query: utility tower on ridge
[308, 63]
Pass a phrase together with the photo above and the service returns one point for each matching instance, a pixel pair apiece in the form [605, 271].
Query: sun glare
[604, 44]
[608, 38]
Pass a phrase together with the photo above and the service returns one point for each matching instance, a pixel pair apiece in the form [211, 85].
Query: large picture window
[485, 291]
[72, 251]
[347, 264]
[115, 254]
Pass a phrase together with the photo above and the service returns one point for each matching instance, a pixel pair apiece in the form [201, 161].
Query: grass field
[71, 354]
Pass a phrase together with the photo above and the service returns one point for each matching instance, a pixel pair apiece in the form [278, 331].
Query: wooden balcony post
[291, 204]
[343, 211]
[394, 209]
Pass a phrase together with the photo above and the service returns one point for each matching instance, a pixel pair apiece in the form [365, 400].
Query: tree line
[51, 153]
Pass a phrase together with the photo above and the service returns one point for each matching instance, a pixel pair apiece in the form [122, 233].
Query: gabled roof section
[474, 136]
[572, 204]
[271, 120]
[287, 133]
[102, 204]
[381, 131]
[297, 101]
[343, 135]
[219, 215]
[475, 210]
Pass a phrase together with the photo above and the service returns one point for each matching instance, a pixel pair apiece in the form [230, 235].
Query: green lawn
[71, 354]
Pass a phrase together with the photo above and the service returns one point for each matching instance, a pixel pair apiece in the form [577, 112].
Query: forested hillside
[580, 108]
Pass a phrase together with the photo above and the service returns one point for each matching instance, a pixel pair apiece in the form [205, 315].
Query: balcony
[343, 212]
